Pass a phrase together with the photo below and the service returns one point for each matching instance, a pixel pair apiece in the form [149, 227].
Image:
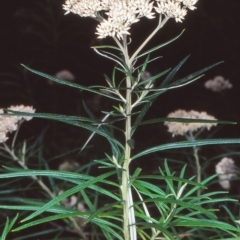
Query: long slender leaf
[185, 120]
[70, 84]
[187, 144]
[171, 75]
[55, 209]
[63, 118]
[183, 204]
[159, 46]
[205, 223]
[8, 227]
[51, 218]
[153, 78]
[67, 194]
[164, 231]
[104, 208]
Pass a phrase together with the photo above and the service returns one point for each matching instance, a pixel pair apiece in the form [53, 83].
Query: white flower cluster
[121, 14]
[10, 123]
[175, 8]
[226, 170]
[181, 128]
[218, 84]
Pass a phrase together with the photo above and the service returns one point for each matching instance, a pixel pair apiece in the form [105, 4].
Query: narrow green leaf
[99, 211]
[159, 46]
[68, 83]
[153, 78]
[144, 65]
[192, 76]
[181, 203]
[5, 230]
[67, 194]
[149, 61]
[135, 174]
[54, 209]
[156, 177]
[58, 117]
[184, 120]
[147, 185]
[19, 172]
[74, 122]
[51, 218]
[106, 46]
[164, 231]
[204, 223]
[187, 144]
[171, 75]
[108, 231]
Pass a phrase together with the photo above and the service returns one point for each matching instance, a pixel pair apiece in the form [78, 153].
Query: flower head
[65, 75]
[10, 123]
[218, 84]
[68, 165]
[181, 128]
[226, 170]
[116, 16]
[171, 9]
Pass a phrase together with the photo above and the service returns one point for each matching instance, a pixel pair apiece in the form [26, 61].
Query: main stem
[129, 229]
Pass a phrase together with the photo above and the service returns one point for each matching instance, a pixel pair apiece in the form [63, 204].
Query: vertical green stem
[198, 167]
[129, 227]
[128, 211]
[161, 23]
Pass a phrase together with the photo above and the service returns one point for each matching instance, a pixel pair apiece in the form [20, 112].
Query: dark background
[37, 33]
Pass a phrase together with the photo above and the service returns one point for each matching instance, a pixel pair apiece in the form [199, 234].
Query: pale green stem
[129, 227]
[198, 167]
[15, 135]
[197, 162]
[160, 25]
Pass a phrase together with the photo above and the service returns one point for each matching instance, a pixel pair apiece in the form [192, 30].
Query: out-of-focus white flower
[10, 123]
[146, 75]
[116, 16]
[226, 170]
[72, 202]
[22, 108]
[181, 128]
[65, 75]
[69, 165]
[218, 84]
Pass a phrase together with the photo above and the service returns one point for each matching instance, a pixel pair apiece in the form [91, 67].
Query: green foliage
[119, 202]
